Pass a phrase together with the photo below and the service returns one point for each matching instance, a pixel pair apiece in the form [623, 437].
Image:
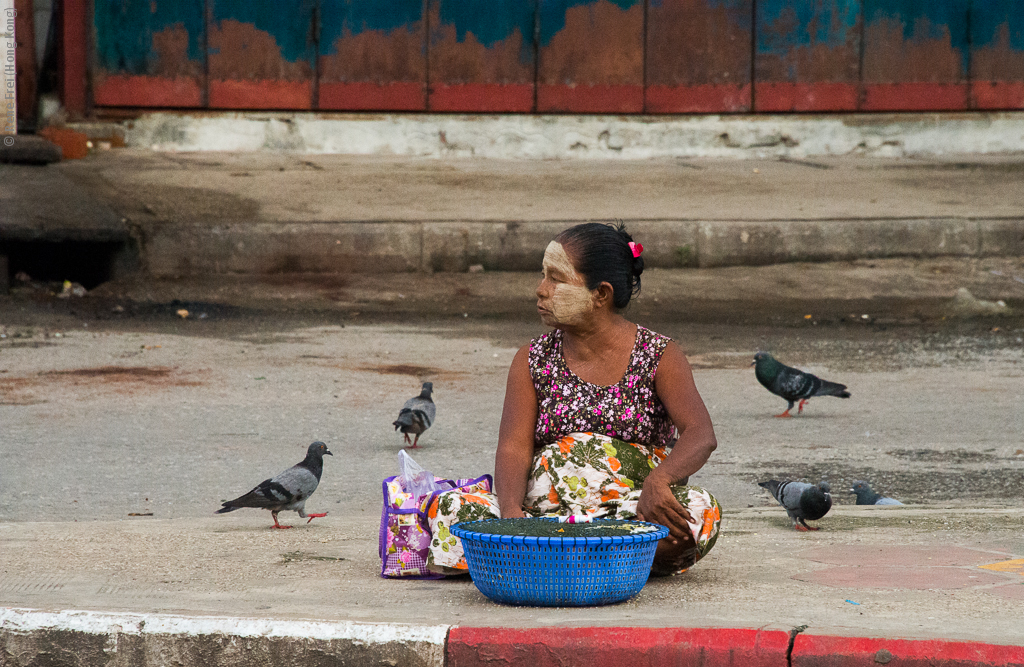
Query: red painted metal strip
[147, 91]
[824, 651]
[997, 95]
[73, 71]
[706, 98]
[915, 96]
[590, 99]
[482, 97]
[615, 647]
[369, 96]
[267, 94]
[820, 96]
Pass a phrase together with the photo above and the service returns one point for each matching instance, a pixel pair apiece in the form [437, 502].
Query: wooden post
[73, 56]
[26, 57]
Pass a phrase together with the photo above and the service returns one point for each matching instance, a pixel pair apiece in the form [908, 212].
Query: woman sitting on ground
[591, 412]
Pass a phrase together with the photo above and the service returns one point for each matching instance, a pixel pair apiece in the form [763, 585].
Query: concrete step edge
[191, 249]
[92, 637]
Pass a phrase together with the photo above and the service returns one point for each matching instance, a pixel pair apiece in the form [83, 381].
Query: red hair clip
[636, 248]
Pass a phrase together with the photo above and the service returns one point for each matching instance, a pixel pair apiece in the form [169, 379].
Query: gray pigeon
[867, 496]
[288, 491]
[802, 501]
[792, 384]
[416, 415]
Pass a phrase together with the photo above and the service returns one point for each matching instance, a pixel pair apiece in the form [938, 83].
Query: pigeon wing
[298, 481]
[265, 495]
[789, 496]
[416, 415]
[792, 384]
[291, 486]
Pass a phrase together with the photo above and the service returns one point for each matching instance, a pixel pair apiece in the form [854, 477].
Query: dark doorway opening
[89, 263]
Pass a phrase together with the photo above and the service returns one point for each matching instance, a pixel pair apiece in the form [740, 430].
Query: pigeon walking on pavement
[288, 491]
[867, 496]
[803, 502]
[416, 415]
[793, 384]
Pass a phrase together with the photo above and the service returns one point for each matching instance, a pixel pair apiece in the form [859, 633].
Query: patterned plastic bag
[404, 532]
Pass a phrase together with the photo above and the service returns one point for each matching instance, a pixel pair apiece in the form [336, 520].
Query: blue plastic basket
[558, 571]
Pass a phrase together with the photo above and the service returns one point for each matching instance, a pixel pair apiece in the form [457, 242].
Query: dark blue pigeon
[793, 384]
[867, 496]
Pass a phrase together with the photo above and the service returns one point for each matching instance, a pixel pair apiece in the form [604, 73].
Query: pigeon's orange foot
[802, 529]
[784, 415]
[800, 407]
[277, 525]
[316, 516]
[411, 447]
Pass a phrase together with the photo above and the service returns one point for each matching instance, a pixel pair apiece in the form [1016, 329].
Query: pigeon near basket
[540, 571]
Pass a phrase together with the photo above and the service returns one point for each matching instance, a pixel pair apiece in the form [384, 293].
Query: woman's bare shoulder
[673, 361]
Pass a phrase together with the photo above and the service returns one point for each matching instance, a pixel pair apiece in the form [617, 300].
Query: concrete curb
[828, 651]
[720, 647]
[613, 647]
[84, 638]
[180, 250]
[514, 136]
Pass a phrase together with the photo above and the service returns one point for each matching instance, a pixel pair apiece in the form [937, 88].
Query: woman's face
[562, 296]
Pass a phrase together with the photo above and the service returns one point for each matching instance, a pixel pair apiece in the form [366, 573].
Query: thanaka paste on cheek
[571, 301]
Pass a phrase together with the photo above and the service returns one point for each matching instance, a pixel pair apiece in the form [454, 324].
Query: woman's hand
[658, 505]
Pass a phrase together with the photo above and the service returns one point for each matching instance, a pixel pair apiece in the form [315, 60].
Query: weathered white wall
[588, 137]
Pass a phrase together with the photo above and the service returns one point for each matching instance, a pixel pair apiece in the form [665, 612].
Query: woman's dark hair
[601, 253]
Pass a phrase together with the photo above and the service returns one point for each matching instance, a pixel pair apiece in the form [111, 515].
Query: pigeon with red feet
[287, 491]
[793, 384]
[416, 415]
[803, 502]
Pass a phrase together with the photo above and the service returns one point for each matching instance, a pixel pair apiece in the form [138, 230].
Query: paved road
[109, 414]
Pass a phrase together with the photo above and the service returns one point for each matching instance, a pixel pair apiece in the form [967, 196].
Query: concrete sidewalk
[194, 214]
[219, 592]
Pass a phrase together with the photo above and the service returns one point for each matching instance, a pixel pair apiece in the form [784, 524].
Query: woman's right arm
[514, 457]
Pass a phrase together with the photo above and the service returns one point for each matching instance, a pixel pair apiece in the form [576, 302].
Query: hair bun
[638, 266]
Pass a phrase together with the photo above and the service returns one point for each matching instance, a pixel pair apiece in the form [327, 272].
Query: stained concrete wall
[582, 136]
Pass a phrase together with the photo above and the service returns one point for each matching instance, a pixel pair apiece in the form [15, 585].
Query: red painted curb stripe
[616, 647]
[707, 647]
[825, 651]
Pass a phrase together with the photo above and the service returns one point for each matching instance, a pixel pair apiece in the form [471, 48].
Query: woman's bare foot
[671, 558]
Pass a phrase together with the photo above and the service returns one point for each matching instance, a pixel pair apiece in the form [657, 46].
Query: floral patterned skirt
[581, 474]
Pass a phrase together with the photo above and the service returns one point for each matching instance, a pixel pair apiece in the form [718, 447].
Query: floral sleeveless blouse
[629, 410]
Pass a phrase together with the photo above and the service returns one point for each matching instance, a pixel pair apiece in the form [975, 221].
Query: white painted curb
[105, 623]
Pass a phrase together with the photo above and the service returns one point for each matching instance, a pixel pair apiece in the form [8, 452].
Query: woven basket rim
[464, 532]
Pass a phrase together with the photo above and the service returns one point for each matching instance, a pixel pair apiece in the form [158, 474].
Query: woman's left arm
[674, 385]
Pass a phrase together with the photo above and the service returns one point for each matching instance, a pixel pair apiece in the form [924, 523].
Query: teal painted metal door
[552, 56]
